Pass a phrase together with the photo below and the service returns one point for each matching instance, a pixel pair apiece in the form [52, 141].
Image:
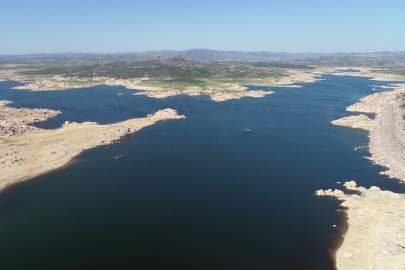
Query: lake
[194, 193]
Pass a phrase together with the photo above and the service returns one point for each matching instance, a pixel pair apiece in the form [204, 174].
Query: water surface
[194, 193]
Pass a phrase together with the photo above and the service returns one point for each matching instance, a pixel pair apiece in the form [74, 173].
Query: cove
[196, 193]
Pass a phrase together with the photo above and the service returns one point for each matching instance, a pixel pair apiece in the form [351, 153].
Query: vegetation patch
[177, 68]
[400, 72]
[281, 65]
[5, 140]
[184, 81]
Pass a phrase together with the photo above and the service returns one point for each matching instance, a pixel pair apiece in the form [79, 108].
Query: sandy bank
[36, 151]
[375, 238]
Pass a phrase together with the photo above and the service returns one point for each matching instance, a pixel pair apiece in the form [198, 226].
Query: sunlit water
[194, 193]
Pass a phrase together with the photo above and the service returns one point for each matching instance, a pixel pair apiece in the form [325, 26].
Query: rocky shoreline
[218, 92]
[387, 135]
[375, 238]
[14, 121]
[26, 151]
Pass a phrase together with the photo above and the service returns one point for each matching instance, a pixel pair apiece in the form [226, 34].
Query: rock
[169, 112]
[401, 243]
[320, 192]
[335, 193]
[392, 249]
[338, 192]
[350, 185]
[373, 103]
[13, 118]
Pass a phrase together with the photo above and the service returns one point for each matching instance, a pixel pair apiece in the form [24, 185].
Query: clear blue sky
[30, 26]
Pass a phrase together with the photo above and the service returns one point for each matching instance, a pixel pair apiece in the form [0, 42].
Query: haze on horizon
[275, 26]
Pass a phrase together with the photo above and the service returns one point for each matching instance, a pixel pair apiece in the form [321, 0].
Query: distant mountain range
[205, 54]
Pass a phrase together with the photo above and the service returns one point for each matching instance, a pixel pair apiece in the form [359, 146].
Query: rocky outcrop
[129, 83]
[387, 141]
[163, 94]
[221, 96]
[47, 84]
[374, 103]
[192, 90]
[356, 121]
[169, 113]
[376, 219]
[13, 121]
[387, 135]
[13, 129]
[4, 103]
[60, 83]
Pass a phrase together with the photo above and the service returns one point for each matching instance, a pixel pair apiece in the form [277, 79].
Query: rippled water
[194, 193]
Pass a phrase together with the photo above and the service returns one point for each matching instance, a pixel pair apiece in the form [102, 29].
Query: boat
[247, 130]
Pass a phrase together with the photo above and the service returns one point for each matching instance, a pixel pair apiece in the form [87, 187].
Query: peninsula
[27, 151]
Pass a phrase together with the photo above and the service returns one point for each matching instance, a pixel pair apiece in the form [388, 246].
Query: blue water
[194, 193]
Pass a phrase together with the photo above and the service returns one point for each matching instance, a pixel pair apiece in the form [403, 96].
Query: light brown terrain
[387, 136]
[219, 91]
[367, 72]
[375, 238]
[26, 151]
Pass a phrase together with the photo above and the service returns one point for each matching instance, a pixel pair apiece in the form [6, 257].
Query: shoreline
[342, 228]
[386, 130]
[371, 241]
[36, 151]
[366, 72]
[218, 91]
[375, 237]
[27, 151]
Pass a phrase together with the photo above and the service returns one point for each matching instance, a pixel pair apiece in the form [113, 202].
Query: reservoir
[194, 193]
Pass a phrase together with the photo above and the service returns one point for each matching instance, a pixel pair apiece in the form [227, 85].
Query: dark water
[194, 193]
